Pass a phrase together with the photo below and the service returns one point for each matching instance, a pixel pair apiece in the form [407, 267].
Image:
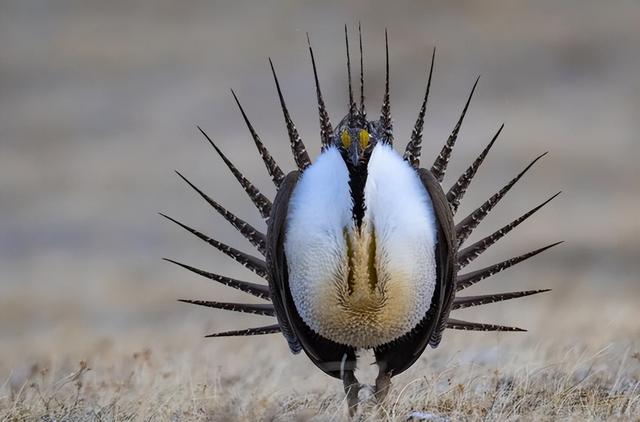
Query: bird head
[355, 139]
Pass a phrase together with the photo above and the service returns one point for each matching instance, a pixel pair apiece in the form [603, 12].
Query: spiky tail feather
[454, 324]
[256, 265]
[259, 200]
[457, 324]
[439, 166]
[413, 149]
[250, 233]
[386, 123]
[457, 191]
[326, 130]
[272, 167]
[466, 280]
[297, 146]
[462, 302]
[470, 222]
[257, 331]
[247, 308]
[468, 254]
[257, 290]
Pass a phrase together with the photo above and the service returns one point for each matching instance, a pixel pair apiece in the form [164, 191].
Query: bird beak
[354, 153]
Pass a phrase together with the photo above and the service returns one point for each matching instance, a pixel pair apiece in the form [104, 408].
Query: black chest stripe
[357, 181]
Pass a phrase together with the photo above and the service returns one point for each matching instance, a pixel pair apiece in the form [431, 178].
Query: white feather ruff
[323, 248]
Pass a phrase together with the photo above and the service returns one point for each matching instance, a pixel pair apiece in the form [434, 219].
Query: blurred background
[99, 103]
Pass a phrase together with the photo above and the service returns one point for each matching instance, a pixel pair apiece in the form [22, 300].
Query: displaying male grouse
[361, 250]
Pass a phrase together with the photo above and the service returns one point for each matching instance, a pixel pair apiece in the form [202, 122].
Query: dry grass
[572, 368]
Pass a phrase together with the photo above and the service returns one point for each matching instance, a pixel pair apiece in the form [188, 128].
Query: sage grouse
[361, 249]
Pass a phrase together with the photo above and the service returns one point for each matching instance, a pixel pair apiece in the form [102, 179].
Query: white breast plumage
[365, 286]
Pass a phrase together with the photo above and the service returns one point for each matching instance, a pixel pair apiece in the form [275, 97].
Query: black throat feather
[357, 180]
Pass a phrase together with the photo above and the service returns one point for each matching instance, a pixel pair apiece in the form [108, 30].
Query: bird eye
[346, 139]
[364, 139]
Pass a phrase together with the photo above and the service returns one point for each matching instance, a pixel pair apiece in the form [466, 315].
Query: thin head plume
[440, 165]
[352, 104]
[414, 147]
[457, 191]
[297, 146]
[385, 113]
[262, 203]
[272, 167]
[363, 111]
[325, 125]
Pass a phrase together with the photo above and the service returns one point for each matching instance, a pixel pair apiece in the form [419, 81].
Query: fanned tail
[259, 200]
[412, 154]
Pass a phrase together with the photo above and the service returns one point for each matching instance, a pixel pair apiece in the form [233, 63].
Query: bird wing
[276, 261]
[446, 253]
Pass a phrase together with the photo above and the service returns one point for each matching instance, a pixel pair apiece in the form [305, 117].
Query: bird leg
[351, 384]
[351, 389]
[383, 382]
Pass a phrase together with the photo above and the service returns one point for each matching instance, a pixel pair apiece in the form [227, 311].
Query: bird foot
[352, 397]
[383, 385]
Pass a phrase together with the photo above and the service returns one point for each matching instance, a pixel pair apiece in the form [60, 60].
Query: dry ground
[578, 361]
[98, 103]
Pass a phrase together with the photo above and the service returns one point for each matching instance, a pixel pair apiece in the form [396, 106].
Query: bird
[362, 249]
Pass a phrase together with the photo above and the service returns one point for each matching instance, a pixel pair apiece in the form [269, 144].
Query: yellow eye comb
[346, 139]
[364, 139]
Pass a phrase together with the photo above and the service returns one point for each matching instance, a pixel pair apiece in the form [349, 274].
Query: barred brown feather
[256, 238]
[470, 222]
[256, 265]
[259, 200]
[272, 167]
[258, 290]
[247, 308]
[457, 191]
[414, 146]
[465, 280]
[439, 166]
